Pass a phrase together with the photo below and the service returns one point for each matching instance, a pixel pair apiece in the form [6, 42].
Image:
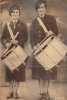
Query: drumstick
[16, 35]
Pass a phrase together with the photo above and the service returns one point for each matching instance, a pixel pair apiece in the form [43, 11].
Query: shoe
[44, 96]
[10, 96]
[16, 96]
[47, 96]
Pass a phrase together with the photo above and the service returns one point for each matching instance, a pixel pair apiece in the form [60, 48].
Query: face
[41, 10]
[15, 16]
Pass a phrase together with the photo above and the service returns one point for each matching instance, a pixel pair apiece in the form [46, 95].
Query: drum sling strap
[47, 39]
[11, 33]
[44, 27]
[42, 24]
[49, 34]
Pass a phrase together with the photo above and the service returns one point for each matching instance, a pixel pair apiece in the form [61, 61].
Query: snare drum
[15, 58]
[50, 52]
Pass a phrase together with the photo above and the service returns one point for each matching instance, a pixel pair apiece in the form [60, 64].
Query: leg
[15, 89]
[44, 85]
[11, 89]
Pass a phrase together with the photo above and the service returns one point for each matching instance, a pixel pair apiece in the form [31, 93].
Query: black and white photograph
[33, 49]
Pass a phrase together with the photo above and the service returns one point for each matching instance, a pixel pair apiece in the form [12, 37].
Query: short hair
[39, 2]
[14, 7]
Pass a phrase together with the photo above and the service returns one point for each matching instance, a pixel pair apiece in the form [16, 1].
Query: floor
[29, 90]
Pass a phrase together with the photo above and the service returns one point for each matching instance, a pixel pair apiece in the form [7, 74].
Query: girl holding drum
[17, 75]
[37, 34]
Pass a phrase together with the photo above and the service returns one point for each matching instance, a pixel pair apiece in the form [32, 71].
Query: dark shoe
[10, 96]
[47, 96]
[44, 96]
[16, 96]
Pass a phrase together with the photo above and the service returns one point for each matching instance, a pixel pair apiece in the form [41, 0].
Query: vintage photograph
[33, 49]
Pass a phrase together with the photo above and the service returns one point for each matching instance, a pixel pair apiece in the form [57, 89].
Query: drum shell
[52, 54]
[38, 71]
[15, 58]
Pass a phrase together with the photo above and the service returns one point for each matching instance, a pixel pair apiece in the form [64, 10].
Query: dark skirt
[17, 75]
[38, 72]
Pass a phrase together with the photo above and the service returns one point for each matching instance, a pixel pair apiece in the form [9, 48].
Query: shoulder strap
[42, 25]
[11, 32]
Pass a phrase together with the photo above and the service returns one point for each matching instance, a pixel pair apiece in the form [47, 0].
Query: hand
[15, 42]
[7, 45]
[37, 46]
[50, 33]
